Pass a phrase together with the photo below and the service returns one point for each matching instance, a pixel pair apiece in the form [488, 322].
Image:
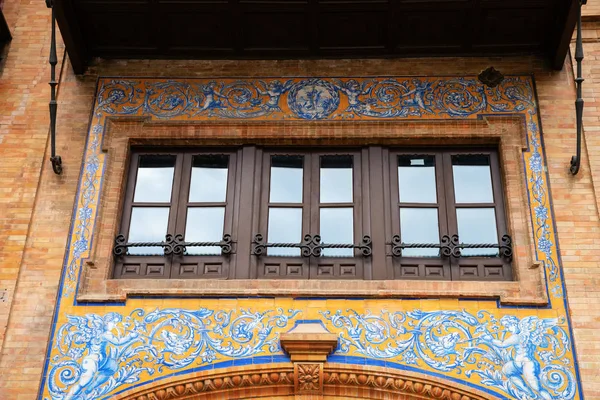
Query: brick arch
[280, 382]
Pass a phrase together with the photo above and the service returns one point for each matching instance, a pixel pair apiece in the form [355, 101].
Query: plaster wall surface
[37, 206]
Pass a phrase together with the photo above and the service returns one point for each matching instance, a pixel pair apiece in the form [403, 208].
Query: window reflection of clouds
[285, 226]
[337, 227]
[286, 185]
[419, 225]
[416, 179]
[336, 179]
[148, 224]
[477, 225]
[473, 183]
[204, 224]
[154, 185]
[208, 185]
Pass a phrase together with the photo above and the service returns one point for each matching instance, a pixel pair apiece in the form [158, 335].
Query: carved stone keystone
[308, 345]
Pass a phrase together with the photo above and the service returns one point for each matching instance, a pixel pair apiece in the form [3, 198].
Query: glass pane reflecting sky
[286, 179]
[148, 224]
[337, 227]
[336, 179]
[204, 224]
[477, 225]
[472, 179]
[209, 179]
[419, 225]
[416, 179]
[154, 180]
[285, 226]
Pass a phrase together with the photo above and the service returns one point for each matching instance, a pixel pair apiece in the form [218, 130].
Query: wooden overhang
[280, 29]
[4, 31]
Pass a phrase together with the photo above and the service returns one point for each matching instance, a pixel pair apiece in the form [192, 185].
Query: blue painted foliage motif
[314, 98]
[98, 354]
[526, 359]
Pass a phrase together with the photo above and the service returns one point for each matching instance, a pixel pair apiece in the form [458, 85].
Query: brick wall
[36, 205]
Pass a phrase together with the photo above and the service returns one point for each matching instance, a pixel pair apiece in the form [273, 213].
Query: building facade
[306, 228]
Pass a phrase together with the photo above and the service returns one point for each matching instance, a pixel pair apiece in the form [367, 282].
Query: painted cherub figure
[523, 370]
[274, 89]
[101, 361]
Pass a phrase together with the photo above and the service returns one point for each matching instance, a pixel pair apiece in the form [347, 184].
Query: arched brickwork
[277, 382]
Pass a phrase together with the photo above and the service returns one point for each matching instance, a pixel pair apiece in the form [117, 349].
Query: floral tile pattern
[522, 353]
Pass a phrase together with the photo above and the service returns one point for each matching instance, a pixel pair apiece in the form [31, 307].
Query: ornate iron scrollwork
[310, 246]
[450, 246]
[172, 245]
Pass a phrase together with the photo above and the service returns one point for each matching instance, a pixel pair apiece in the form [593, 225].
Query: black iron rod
[576, 159]
[53, 60]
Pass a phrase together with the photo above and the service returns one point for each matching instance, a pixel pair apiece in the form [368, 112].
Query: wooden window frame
[177, 266]
[285, 267]
[466, 268]
[246, 214]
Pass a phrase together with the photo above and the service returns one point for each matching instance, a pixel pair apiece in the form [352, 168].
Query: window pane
[209, 178]
[416, 179]
[472, 179]
[286, 179]
[148, 224]
[154, 180]
[285, 226]
[204, 224]
[419, 225]
[336, 179]
[477, 226]
[337, 227]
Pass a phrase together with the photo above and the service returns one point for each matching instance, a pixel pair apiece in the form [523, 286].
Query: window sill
[517, 293]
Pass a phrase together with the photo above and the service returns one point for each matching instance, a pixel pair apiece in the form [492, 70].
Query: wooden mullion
[180, 198]
[419, 205]
[501, 225]
[357, 226]
[129, 192]
[209, 204]
[312, 208]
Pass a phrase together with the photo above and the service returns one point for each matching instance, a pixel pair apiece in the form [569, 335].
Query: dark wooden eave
[4, 31]
[280, 29]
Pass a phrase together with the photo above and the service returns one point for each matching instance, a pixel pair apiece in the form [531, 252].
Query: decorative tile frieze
[102, 351]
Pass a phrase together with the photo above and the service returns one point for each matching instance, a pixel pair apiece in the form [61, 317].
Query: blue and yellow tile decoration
[100, 350]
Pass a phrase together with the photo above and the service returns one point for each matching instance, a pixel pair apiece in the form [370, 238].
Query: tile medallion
[100, 350]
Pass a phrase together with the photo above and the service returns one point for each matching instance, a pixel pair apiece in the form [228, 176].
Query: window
[451, 203]
[177, 215]
[313, 199]
[307, 214]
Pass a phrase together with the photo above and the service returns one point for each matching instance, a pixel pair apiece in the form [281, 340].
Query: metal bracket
[576, 159]
[490, 77]
[173, 244]
[53, 60]
[310, 246]
[450, 246]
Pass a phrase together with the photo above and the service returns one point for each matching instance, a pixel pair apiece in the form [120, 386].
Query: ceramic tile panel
[99, 350]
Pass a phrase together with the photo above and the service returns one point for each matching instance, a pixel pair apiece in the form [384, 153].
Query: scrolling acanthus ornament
[524, 358]
[98, 354]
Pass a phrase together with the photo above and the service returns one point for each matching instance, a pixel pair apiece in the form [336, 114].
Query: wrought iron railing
[173, 244]
[450, 246]
[310, 246]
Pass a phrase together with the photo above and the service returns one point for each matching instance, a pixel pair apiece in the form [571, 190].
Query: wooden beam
[66, 19]
[560, 47]
[4, 31]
